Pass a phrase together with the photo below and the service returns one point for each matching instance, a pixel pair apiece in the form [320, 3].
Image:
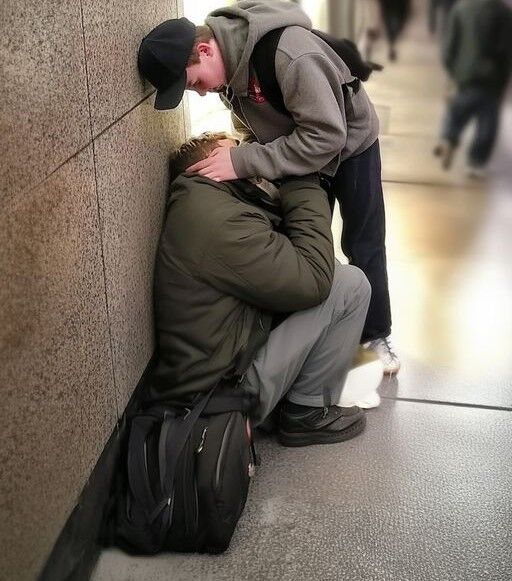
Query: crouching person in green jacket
[235, 260]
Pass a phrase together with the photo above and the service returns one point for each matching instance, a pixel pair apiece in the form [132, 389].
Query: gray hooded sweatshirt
[325, 129]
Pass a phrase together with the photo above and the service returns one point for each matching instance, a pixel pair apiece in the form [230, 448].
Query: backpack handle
[172, 443]
[139, 479]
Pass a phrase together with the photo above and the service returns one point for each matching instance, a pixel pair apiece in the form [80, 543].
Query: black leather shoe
[326, 425]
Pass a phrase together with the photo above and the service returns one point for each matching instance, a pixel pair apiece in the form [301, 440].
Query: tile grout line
[431, 184]
[449, 403]
[100, 224]
[88, 143]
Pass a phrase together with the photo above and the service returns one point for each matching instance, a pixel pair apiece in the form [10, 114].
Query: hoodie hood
[238, 28]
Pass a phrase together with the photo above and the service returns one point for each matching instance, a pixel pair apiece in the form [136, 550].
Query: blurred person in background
[373, 28]
[438, 13]
[477, 54]
[394, 15]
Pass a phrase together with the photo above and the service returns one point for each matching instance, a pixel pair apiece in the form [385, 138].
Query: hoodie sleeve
[244, 257]
[311, 88]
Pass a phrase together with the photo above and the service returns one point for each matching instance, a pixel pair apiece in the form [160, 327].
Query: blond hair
[192, 151]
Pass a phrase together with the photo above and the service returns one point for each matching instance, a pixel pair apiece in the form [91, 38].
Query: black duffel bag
[187, 476]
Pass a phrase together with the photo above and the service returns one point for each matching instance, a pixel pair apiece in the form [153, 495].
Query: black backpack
[186, 472]
[263, 61]
[187, 476]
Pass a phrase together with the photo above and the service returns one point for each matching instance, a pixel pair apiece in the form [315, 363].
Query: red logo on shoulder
[254, 91]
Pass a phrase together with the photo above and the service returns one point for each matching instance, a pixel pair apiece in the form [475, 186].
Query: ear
[204, 49]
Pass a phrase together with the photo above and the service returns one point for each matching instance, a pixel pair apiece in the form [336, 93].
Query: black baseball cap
[163, 57]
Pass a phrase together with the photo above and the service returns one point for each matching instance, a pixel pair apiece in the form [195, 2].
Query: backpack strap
[172, 441]
[350, 55]
[229, 400]
[263, 59]
[167, 431]
[174, 433]
[138, 479]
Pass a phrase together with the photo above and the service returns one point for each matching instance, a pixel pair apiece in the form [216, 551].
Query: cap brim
[171, 97]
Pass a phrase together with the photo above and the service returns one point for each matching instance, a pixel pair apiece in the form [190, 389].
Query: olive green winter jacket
[229, 257]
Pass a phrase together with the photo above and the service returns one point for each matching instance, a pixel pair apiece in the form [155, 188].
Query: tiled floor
[425, 493]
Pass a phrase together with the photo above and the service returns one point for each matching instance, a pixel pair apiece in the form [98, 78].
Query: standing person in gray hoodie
[477, 54]
[331, 128]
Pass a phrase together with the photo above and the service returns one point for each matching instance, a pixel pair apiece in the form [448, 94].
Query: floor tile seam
[448, 403]
[431, 184]
[415, 135]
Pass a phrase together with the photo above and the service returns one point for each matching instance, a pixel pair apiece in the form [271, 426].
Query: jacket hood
[238, 28]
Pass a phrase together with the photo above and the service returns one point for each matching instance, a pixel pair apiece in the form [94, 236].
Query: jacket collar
[247, 192]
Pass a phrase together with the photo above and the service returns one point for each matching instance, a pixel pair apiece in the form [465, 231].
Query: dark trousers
[357, 186]
[481, 104]
[394, 14]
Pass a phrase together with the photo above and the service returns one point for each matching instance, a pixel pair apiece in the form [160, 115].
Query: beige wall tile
[131, 161]
[58, 404]
[113, 32]
[44, 115]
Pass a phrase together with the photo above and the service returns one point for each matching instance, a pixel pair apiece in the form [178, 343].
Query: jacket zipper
[201, 443]
[194, 482]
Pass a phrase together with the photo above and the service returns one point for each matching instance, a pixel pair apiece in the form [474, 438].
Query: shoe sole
[296, 439]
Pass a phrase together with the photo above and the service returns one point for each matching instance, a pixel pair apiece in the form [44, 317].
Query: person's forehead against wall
[163, 57]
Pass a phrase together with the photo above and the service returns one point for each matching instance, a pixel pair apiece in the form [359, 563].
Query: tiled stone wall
[83, 176]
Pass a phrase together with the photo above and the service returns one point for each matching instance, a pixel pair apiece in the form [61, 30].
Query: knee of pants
[350, 285]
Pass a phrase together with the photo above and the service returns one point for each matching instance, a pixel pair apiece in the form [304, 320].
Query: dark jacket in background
[477, 45]
[395, 14]
[223, 267]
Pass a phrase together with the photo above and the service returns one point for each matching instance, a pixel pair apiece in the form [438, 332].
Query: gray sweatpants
[308, 356]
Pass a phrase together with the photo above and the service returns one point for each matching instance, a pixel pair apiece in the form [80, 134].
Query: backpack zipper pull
[201, 443]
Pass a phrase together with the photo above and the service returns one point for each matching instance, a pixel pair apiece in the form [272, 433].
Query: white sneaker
[384, 349]
[363, 379]
[369, 401]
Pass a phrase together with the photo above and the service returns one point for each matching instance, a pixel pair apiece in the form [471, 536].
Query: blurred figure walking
[372, 28]
[438, 14]
[394, 15]
[477, 54]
